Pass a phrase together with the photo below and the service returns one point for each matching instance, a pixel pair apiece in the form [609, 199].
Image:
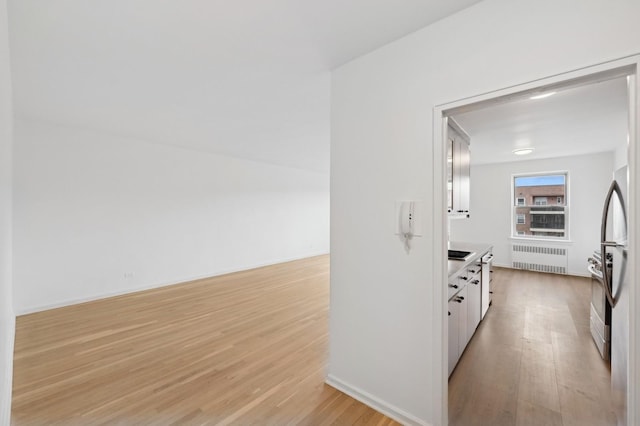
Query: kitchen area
[469, 294]
[535, 268]
[469, 264]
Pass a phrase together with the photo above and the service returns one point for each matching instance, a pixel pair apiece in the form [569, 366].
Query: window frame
[514, 206]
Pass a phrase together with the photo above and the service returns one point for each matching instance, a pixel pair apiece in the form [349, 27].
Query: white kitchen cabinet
[474, 299]
[458, 335]
[458, 171]
[465, 296]
[453, 334]
[486, 262]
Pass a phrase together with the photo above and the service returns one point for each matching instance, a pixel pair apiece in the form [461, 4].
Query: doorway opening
[547, 217]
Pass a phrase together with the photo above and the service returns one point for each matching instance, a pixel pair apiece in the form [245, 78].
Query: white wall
[620, 157]
[7, 318]
[90, 208]
[490, 221]
[384, 343]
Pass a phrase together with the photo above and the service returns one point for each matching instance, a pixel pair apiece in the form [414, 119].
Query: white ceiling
[586, 119]
[247, 78]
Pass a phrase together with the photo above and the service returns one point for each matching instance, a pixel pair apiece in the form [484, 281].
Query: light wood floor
[532, 360]
[246, 348]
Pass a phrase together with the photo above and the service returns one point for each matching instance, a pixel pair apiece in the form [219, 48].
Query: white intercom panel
[408, 220]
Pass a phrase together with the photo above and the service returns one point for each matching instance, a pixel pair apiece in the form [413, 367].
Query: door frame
[629, 65]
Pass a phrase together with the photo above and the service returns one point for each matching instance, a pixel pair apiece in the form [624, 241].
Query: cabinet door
[458, 164]
[463, 175]
[486, 284]
[474, 300]
[454, 350]
[463, 334]
[449, 173]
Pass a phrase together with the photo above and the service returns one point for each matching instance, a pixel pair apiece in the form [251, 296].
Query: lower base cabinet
[457, 327]
[474, 300]
[464, 312]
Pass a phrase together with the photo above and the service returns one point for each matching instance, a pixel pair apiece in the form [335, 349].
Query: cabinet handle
[458, 300]
[453, 285]
[449, 313]
[475, 282]
[461, 298]
[460, 211]
[464, 278]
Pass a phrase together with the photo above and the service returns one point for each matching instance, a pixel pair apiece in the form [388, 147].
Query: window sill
[542, 240]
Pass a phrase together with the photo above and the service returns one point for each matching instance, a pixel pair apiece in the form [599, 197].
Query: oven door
[598, 296]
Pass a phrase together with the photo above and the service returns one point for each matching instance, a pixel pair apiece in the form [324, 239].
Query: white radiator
[541, 258]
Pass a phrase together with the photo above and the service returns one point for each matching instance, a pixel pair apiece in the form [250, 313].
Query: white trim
[6, 390]
[633, 373]
[619, 67]
[440, 365]
[571, 273]
[541, 240]
[532, 212]
[76, 301]
[551, 230]
[372, 401]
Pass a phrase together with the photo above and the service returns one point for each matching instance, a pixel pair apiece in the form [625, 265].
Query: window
[540, 201]
[542, 218]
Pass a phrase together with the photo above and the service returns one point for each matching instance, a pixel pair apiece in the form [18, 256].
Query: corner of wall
[8, 339]
[366, 398]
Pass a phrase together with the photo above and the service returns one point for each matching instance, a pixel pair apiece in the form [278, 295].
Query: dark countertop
[457, 266]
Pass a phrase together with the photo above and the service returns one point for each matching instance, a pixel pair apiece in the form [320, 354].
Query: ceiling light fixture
[542, 96]
[523, 151]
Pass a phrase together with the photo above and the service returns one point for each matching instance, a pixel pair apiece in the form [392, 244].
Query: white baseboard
[572, 273]
[75, 301]
[376, 403]
[6, 387]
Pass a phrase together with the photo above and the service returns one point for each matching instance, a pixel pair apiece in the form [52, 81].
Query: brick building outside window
[540, 205]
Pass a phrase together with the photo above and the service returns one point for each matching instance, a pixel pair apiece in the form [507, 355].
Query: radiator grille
[556, 251]
[539, 258]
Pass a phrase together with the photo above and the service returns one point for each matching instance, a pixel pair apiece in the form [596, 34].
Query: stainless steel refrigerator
[616, 285]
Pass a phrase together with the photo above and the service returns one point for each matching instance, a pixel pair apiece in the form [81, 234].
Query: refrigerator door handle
[613, 244]
[607, 279]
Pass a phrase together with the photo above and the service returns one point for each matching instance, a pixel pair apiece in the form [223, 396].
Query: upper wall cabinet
[458, 170]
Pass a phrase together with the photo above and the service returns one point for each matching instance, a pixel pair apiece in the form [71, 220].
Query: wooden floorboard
[245, 348]
[532, 360]
[251, 348]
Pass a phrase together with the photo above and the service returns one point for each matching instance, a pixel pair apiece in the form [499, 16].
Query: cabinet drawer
[455, 286]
